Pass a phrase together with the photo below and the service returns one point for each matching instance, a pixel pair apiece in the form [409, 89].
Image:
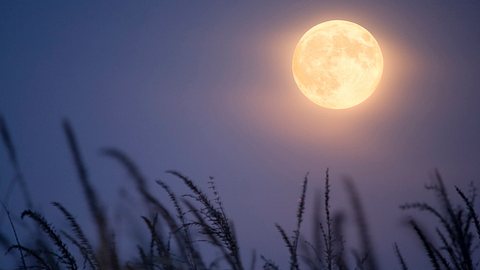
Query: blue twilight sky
[205, 87]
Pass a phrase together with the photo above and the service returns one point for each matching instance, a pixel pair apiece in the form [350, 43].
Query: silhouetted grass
[292, 243]
[186, 237]
[65, 257]
[457, 246]
[401, 260]
[80, 240]
[213, 221]
[107, 252]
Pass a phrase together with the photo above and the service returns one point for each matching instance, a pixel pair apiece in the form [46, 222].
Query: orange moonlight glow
[337, 64]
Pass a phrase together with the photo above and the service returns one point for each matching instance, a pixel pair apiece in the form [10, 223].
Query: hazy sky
[205, 87]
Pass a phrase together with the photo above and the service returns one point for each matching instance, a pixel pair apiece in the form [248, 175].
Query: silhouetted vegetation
[458, 242]
[180, 233]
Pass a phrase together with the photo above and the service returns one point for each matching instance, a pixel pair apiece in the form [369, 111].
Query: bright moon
[337, 64]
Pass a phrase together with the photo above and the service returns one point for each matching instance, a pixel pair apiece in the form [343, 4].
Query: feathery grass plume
[206, 230]
[448, 248]
[12, 155]
[464, 243]
[194, 259]
[20, 250]
[43, 248]
[80, 248]
[288, 243]
[292, 244]
[148, 198]
[449, 244]
[455, 232]
[173, 199]
[327, 235]
[83, 243]
[107, 254]
[327, 231]
[198, 194]
[213, 221]
[427, 245]
[322, 233]
[300, 212]
[428, 208]
[469, 203]
[66, 257]
[163, 251]
[364, 233]
[400, 258]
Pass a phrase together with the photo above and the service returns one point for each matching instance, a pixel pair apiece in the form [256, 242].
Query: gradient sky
[205, 87]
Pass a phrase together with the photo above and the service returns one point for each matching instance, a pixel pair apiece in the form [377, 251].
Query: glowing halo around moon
[337, 64]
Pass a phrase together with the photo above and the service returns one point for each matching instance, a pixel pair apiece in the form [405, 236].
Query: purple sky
[206, 88]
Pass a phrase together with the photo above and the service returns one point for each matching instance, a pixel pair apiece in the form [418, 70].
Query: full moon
[337, 64]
